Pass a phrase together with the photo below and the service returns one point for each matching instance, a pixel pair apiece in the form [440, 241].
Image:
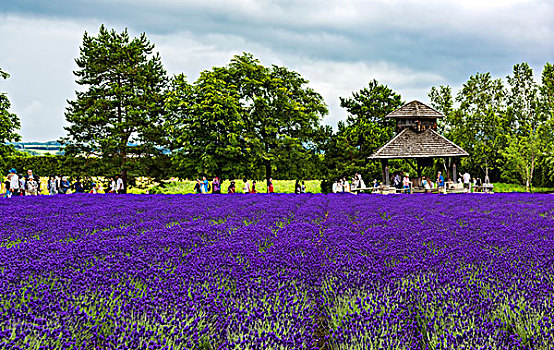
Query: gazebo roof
[411, 144]
[415, 110]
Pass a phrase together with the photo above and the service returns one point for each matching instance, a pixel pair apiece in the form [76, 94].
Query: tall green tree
[478, 125]
[9, 122]
[525, 142]
[208, 134]
[280, 110]
[365, 130]
[119, 113]
[547, 104]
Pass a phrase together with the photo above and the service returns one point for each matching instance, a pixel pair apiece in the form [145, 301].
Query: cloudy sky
[339, 46]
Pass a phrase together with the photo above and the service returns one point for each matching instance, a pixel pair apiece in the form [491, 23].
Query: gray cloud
[338, 46]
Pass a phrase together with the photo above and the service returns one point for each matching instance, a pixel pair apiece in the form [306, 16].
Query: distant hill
[38, 148]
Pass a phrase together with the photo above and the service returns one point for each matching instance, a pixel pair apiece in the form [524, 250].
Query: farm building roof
[412, 144]
[415, 110]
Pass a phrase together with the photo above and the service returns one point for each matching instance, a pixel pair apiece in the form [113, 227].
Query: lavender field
[277, 272]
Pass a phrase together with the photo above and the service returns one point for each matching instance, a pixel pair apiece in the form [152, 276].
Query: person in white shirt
[113, 188]
[13, 184]
[425, 183]
[361, 183]
[467, 179]
[246, 187]
[120, 188]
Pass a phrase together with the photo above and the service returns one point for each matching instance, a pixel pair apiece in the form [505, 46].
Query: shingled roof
[411, 144]
[415, 110]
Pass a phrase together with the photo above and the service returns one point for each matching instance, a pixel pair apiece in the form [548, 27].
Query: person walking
[197, 187]
[270, 186]
[303, 187]
[120, 187]
[113, 185]
[246, 187]
[52, 185]
[297, 187]
[12, 188]
[253, 190]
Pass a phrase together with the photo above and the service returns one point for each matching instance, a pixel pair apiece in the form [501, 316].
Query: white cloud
[339, 46]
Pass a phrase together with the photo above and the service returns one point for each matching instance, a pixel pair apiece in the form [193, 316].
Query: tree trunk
[267, 163]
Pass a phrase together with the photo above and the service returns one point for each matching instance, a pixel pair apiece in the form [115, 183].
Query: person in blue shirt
[205, 184]
[440, 180]
[64, 185]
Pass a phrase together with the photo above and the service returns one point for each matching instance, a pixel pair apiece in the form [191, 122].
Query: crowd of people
[204, 186]
[402, 182]
[29, 185]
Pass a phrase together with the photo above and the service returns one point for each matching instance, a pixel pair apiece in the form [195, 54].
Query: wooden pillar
[385, 169]
[454, 172]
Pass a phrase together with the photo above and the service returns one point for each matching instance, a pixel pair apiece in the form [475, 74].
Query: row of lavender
[277, 272]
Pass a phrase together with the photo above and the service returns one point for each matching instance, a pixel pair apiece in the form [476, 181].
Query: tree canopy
[9, 122]
[119, 116]
[246, 119]
[238, 119]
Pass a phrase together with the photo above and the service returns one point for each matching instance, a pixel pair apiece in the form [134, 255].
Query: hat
[12, 170]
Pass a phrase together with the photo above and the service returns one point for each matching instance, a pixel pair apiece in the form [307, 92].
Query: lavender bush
[277, 272]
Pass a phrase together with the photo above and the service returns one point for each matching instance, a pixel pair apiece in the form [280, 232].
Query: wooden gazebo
[417, 138]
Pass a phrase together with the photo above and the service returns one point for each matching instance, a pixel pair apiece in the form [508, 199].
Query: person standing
[335, 187]
[246, 187]
[34, 186]
[253, 190]
[397, 182]
[270, 186]
[375, 186]
[345, 185]
[467, 180]
[216, 186]
[120, 187]
[31, 186]
[297, 188]
[406, 183]
[205, 185]
[52, 186]
[361, 183]
[440, 180]
[303, 187]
